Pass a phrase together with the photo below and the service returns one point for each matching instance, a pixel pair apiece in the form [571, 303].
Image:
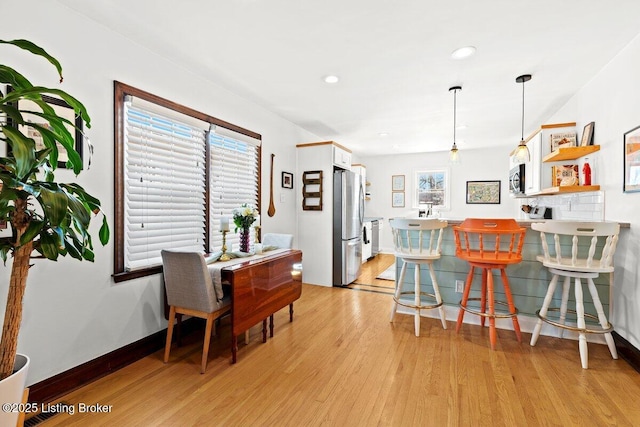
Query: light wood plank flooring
[341, 363]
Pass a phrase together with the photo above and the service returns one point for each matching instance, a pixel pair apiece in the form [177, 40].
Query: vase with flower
[243, 217]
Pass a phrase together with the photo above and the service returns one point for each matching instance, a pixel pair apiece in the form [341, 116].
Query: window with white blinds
[164, 185]
[234, 180]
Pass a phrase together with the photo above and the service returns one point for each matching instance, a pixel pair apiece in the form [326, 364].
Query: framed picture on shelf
[587, 135]
[287, 180]
[63, 110]
[562, 140]
[397, 183]
[631, 181]
[397, 199]
[483, 192]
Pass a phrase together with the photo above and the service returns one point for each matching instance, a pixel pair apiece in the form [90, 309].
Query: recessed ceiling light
[331, 79]
[463, 52]
[383, 134]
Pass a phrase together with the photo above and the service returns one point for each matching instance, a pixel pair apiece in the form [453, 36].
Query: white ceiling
[392, 57]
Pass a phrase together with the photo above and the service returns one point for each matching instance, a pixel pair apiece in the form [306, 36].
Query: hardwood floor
[342, 363]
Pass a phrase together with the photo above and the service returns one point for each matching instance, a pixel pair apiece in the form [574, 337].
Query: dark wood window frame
[120, 91]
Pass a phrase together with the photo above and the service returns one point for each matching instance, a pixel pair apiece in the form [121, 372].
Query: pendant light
[522, 152]
[454, 156]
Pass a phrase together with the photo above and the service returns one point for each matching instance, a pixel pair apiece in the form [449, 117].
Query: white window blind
[164, 185]
[233, 181]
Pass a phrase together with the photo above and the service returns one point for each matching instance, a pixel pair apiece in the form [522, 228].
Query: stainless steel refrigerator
[348, 215]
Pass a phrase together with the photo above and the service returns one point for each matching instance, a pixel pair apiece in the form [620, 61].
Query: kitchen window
[432, 186]
[178, 171]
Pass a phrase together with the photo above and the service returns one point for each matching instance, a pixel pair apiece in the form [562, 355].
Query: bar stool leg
[483, 296]
[602, 318]
[566, 286]
[584, 351]
[465, 298]
[544, 309]
[416, 277]
[436, 292]
[512, 307]
[493, 335]
[394, 307]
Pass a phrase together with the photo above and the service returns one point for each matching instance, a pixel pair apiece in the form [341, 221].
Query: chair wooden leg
[207, 340]
[566, 286]
[493, 334]
[399, 283]
[602, 318]
[436, 292]
[167, 346]
[512, 307]
[416, 316]
[465, 298]
[584, 351]
[483, 296]
[544, 309]
[291, 312]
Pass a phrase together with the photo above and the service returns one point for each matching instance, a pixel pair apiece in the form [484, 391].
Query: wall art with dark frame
[287, 180]
[483, 192]
[631, 181]
[63, 110]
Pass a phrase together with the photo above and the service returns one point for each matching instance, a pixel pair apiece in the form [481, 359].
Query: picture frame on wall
[397, 199]
[587, 134]
[631, 182]
[62, 109]
[287, 180]
[483, 192]
[397, 183]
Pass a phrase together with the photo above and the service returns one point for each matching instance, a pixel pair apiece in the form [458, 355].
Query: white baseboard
[527, 323]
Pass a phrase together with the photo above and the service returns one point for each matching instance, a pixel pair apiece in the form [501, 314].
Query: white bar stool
[417, 242]
[578, 261]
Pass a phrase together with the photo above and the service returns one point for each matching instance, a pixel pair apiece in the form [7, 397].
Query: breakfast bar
[528, 279]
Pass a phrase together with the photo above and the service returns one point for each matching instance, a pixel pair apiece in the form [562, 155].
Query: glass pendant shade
[454, 156]
[522, 154]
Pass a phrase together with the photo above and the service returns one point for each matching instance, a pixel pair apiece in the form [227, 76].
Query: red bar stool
[417, 242]
[489, 244]
[578, 260]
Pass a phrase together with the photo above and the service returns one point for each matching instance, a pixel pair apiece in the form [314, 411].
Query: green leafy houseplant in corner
[47, 219]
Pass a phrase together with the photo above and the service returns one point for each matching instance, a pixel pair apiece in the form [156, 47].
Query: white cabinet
[533, 168]
[341, 157]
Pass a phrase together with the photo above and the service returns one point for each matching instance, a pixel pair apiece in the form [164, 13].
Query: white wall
[476, 165]
[73, 311]
[610, 100]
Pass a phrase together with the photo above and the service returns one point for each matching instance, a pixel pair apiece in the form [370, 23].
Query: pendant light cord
[455, 91]
[522, 127]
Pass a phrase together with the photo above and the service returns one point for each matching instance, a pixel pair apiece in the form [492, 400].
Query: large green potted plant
[47, 219]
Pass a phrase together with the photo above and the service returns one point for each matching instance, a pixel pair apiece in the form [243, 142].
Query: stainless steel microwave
[517, 180]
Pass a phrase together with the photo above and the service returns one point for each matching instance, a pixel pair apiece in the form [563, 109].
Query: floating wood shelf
[570, 153]
[567, 189]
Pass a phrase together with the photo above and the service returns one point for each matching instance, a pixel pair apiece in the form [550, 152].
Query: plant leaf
[104, 231]
[36, 50]
[23, 151]
[34, 228]
[54, 202]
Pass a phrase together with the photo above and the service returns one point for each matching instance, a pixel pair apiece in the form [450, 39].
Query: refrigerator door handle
[361, 205]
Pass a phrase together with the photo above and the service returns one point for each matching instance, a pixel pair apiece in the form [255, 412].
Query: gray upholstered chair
[190, 291]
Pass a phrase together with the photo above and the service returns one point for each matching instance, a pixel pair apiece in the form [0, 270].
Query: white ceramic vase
[11, 391]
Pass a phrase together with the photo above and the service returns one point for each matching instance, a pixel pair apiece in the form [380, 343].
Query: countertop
[526, 222]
